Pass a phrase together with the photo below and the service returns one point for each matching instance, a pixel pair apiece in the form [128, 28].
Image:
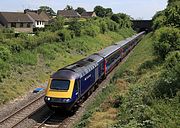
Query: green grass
[131, 95]
[28, 70]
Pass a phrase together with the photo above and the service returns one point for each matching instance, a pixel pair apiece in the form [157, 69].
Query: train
[68, 86]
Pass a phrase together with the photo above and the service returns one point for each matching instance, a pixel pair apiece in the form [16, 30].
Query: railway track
[53, 120]
[14, 119]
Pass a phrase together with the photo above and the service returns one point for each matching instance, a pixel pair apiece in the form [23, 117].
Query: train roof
[108, 50]
[82, 67]
[65, 74]
[95, 58]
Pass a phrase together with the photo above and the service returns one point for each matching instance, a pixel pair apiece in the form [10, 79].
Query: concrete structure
[142, 25]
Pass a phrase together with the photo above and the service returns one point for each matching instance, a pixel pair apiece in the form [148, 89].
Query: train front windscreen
[62, 85]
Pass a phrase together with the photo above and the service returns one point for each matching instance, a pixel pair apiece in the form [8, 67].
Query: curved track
[14, 119]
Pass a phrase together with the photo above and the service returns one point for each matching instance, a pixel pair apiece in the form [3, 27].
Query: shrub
[166, 40]
[64, 35]
[5, 53]
[103, 27]
[48, 51]
[169, 83]
[91, 30]
[46, 37]
[57, 24]
[25, 57]
[16, 45]
[75, 26]
[112, 26]
[4, 68]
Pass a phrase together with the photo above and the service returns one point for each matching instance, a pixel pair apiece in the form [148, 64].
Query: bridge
[142, 25]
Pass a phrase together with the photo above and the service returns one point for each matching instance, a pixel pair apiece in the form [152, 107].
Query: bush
[16, 45]
[91, 30]
[166, 40]
[57, 24]
[112, 26]
[75, 26]
[48, 51]
[64, 35]
[103, 27]
[4, 68]
[169, 83]
[25, 57]
[46, 37]
[5, 53]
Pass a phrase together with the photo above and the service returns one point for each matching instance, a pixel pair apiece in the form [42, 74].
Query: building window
[28, 25]
[13, 25]
[37, 22]
[21, 25]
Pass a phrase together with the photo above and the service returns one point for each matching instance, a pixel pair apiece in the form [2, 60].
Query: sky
[138, 9]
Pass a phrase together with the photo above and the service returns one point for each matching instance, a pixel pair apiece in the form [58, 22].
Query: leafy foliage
[48, 10]
[122, 19]
[168, 17]
[167, 39]
[103, 12]
[80, 10]
[57, 24]
[169, 83]
[5, 53]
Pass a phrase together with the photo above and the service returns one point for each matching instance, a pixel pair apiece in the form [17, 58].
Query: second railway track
[21, 114]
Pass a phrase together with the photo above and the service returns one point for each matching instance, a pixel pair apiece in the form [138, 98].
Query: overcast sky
[143, 9]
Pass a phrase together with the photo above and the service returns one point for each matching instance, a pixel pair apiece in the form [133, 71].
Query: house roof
[89, 14]
[44, 16]
[15, 17]
[68, 13]
[35, 16]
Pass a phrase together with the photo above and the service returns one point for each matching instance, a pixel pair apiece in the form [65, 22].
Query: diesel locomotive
[69, 85]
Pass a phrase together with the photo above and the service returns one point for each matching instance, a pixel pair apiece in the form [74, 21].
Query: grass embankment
[29, 68]
[130, 99]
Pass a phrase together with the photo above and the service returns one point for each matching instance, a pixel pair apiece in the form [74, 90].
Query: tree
[100, 11]
[122, 19]
[103, 12]
[108, 12]
[75, 26]
[167, 39]
[80, 10]
[68, 7]
[47, 9]
[57, 24]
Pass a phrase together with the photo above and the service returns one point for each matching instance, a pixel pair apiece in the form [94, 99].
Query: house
[38, 21]
[88, 14]
[38, 17]
[68, 13]
[45, 17]
[17, 20]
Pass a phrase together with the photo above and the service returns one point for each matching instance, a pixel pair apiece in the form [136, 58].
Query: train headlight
[66, 100]
[48, 98]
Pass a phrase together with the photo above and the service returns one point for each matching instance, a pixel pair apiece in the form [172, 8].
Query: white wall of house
[39, 24]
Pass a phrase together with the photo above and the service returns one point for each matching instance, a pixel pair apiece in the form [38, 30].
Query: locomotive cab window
[62, 85]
